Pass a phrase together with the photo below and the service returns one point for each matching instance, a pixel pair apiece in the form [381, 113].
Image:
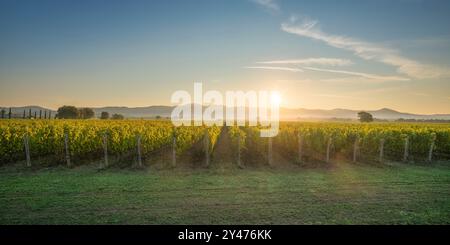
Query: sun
[275, 99]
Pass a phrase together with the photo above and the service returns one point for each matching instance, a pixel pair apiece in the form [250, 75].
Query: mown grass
[342, 194]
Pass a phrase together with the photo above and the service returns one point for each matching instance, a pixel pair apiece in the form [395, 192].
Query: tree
[3, 113]
[104, 115]
[85, 113]
[117, 117]
[67, 112]
[158, 117]
[365, 116]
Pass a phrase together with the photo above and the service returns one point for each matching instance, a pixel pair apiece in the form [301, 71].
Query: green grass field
[339, 194]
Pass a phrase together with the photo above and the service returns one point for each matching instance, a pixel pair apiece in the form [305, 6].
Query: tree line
[63, 112]
[72, 112]
[30, 115]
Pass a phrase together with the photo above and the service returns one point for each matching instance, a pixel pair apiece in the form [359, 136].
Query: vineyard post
[138, 144]
[10, 113]
[330, 141]
[174, 148]
[239, 150]
[430, 152]
[355, 149]
[405, 152]
[23, 117]
[40, 114]
[105, 148]
[381, 150]
[206, 142]
[66, 146]
[29, 113]
[27, 149]
[269, 151]
[300, 147]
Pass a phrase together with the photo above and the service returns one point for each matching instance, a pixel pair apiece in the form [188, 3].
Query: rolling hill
[285, 113]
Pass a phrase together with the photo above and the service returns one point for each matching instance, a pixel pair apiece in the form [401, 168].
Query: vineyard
[297, 142]
[103, 172]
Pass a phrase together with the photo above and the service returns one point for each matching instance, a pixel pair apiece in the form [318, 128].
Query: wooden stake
[66, 146]
[206, 142]
[269, 151]
[430, 152]
[105, 148]
[406, 153]
[27, 149]
[174, 149]
[138, 145]
[330, 141]
[381, 150]
[300, 147]
[239, 150]
[355, 149]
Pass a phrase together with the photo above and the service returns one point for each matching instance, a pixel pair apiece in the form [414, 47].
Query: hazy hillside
[384, 113]
[285, 113]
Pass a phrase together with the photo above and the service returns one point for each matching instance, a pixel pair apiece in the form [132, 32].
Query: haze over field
[285, 113]
[319, 54]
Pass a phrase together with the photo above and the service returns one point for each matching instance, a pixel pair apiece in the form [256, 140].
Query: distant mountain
[136, 112]
[384, 113]
[285, 113]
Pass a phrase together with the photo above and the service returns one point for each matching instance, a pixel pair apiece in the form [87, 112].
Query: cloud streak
[360, 74]
[311, 61]
[275, 68]
[270, 5]
[363, 49]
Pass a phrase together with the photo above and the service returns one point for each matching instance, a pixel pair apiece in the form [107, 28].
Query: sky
[318, 54]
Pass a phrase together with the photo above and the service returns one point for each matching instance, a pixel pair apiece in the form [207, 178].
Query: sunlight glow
[275, 99]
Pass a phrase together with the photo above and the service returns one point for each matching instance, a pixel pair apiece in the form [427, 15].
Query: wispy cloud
[275, 68]
[360, 74]
[353, 79]
[311, 61]
[270, 5]
[363, 49]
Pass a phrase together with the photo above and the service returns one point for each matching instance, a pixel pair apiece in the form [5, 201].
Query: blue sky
[318, 54]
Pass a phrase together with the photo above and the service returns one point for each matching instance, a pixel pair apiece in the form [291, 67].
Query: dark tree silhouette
[66, 112]
[85, 113]
[365, 116]
[104, 115]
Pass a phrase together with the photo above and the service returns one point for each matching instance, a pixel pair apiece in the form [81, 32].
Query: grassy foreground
[341, 194]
